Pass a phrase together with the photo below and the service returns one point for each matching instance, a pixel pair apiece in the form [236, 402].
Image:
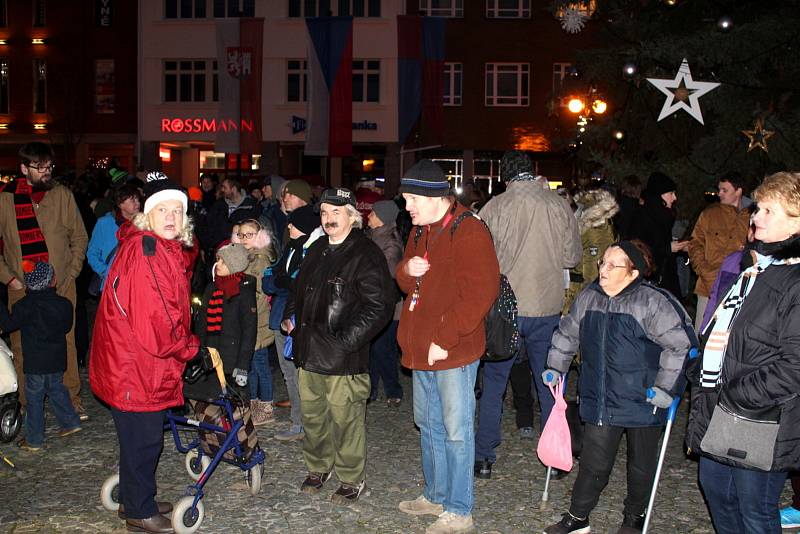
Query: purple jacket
[727, 275]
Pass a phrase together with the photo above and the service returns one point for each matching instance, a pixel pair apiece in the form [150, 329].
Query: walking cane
[673, 410]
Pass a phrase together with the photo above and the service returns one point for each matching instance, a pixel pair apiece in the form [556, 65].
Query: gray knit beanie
[235, 257]
[516, 166]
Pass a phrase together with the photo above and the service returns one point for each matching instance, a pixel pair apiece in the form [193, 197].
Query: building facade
[68, 77]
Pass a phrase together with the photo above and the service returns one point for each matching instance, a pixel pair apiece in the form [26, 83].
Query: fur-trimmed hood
[595, 208]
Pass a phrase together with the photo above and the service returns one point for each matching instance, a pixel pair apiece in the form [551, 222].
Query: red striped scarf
[226, 287]
[31, 239]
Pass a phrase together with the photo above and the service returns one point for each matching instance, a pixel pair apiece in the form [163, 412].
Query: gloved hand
[240, 377]
[658, 397]
[550, 377]
[198, 366]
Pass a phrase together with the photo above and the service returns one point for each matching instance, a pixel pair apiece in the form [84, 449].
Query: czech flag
[329, 130]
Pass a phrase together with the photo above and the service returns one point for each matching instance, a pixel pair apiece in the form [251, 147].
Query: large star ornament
[683, 80]
[758, 136]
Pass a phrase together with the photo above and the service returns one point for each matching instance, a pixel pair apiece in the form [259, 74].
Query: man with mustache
[342, 298]
[40, 221]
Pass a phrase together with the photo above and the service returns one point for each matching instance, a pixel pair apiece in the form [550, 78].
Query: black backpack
[502, 332]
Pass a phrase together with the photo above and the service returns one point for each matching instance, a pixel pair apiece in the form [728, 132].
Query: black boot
[483, 468]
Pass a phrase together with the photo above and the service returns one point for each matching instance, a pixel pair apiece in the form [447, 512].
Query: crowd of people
[345, 286]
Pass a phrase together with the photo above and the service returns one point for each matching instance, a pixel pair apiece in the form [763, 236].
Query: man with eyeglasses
[40, 221]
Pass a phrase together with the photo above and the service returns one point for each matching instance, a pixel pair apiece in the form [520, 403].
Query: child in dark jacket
[43, 318]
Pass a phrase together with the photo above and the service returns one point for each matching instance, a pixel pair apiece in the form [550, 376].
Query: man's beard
[43, 185]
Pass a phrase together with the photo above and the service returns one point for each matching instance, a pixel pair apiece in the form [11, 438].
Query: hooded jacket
[342, 298]
[761, 369]
[142, 333]
[536, 237]
[628, 342]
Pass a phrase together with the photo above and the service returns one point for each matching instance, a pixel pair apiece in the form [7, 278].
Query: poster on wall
[104, 86]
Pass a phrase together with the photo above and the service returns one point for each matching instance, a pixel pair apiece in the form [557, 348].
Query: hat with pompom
[159, 188]
[38, 275]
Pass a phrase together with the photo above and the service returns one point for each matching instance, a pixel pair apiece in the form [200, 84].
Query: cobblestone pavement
[58, 490]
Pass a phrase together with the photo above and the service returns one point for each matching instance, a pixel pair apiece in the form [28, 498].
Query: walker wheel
[10, 422]
[194, 465]
[109, 493]
[253, 477]
[186, 520]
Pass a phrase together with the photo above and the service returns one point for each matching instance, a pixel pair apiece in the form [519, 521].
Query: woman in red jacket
[142, 341]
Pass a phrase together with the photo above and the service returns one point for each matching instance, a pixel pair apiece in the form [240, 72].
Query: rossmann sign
[195, 125]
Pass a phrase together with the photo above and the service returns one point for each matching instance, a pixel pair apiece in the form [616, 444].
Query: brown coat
[63, 230]
[455, 294]
[720, 230]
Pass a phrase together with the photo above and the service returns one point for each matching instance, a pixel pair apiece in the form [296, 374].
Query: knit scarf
[31, 239]
[225, 288]
[719, 327]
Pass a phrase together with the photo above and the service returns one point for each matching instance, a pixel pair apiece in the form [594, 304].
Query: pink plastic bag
[555, 444]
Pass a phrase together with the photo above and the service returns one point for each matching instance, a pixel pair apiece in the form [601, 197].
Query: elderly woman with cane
[745, 406]
[634, 339]
[142, 341]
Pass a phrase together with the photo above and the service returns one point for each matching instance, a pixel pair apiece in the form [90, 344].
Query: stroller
[224, 433]
[10, 413]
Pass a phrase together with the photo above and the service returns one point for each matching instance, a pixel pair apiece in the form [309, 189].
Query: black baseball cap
[337, 196]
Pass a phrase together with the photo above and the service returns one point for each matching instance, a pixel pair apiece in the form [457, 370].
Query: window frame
[494, 11]
[454, 11]
[195, 4]
[39, 14]
[3, 13]
[453, 71]
[301, 8]
[5, 85]
[210, 82]
[366, 72]
[560, 68]
[302, 74]
[39, 85]
[523, 71]
[366, 10]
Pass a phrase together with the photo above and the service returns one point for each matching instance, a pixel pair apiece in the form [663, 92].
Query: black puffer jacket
[761, 369]
[235, 342]
[341, 299]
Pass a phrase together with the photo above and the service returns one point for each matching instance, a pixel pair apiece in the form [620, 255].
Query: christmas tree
[749, 121]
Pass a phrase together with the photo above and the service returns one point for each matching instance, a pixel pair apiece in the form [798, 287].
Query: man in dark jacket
[234, 207]
[341, 299]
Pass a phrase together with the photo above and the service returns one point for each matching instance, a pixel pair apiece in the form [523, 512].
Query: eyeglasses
[42, 168]
[246, 235]
[603, 264]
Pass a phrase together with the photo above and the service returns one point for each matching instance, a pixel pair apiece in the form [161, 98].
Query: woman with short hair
[749, 375]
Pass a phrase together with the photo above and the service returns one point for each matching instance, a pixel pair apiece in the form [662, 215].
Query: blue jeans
[52, 385]
[742, 501]
[444, 410]
[536, 333]
[383, 356]
[260, 376]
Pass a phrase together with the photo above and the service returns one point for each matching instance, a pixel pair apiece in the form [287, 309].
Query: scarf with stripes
[31, 239]
[225, 288]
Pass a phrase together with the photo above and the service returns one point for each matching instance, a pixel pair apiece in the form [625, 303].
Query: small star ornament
[758, 136]
[680, 90]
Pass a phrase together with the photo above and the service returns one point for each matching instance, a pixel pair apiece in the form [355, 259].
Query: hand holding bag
[555, 443]
[742, 436]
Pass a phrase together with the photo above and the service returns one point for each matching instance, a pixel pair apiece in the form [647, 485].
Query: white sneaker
[421, 506]
[450, 523]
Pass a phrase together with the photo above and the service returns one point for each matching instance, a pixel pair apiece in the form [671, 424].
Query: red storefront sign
[196, 125]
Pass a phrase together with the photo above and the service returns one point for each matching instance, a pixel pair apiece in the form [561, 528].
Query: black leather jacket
[341, 299]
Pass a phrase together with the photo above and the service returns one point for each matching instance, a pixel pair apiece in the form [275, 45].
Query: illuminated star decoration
[683, 81]
[758, 136]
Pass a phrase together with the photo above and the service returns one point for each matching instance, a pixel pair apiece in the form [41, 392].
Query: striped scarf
[225, 288]
[31, 239]
[719, 326]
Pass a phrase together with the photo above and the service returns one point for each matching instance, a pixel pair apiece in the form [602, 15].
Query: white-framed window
[191, 80]
[4, 93]
[40, 85]
[309, 8]
[3, 13]
[234, 8]
[296, 80]
[507, 84]
[453, 75]
[359, 8]
[39, 10]
[184, 9]
[508, 9]
[366, 80]
[442, 8]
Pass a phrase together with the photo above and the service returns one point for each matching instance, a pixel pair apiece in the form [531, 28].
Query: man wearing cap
[341, 299]
[450, 273]
[367, 194]
[40, 221]
[296, 193]
[383, 352]
[536, 237]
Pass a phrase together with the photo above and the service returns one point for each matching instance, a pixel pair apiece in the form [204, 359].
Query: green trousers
[334, 412]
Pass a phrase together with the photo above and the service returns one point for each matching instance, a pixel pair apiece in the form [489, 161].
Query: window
[507, 84]
[508, 9]
[359, 8]
[3, 14]
[560, 73]
[184, 9]
[39, 85]
[38, 14]
[190, 80]
[452, 83]
[366, 80]
[296, 80]
[234, 8]
[587, 7]
[309, 8]
[442, 8]
[4, 106]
